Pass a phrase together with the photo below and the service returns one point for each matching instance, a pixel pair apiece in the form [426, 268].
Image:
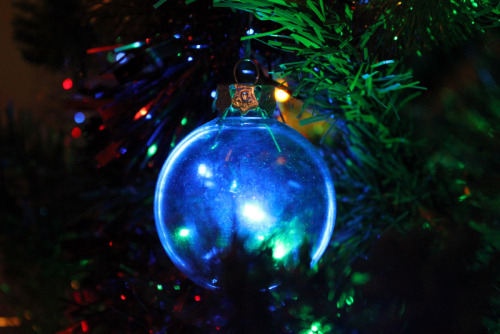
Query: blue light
[121, 58]
[202, 169]
[177, 36]
[148, 116]
[213, 94]
[198, 46]
[250, 31]
[190, 59]
[79, 117]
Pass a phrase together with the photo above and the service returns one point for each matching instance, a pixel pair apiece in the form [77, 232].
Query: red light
[197, 298]
[141, 113]
[466, 190]
[85, 326]
[67, 83]
[76, 132]
[123, 297]
[110, 243]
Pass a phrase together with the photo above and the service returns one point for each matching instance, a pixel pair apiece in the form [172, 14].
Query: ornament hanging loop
[245, 72]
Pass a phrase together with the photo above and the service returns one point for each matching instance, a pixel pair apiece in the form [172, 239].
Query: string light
[141, 113]
[10, 322]
[152, 150]
[85, 326]
[281, 95]
[134, 45]
[67, 83]
[76, 132]
[79, 117]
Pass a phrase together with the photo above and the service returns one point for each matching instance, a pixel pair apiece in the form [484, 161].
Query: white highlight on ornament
[234, 187]
[204, 171]
[253, 213]
[184, 232]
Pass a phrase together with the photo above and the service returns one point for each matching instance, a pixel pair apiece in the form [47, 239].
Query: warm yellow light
[10, 322]
[281, 95]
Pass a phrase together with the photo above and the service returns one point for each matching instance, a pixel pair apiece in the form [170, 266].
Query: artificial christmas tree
[415, 247]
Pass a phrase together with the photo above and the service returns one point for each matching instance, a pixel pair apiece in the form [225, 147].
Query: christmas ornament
[243, 183]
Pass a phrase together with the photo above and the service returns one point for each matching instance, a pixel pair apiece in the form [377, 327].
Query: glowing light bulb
[76, 132]
[152, 150]
[141, 113]
[79, 117]
[67, 83]
[281, 95]
[120, 57]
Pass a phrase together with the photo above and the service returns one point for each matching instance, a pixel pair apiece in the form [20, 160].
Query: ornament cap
[245, 98]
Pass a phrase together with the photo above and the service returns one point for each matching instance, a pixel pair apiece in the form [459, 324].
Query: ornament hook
[246, 72]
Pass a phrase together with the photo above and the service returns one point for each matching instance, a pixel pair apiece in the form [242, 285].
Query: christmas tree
[401, 98]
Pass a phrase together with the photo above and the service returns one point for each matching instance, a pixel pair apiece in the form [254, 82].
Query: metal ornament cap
[244, 98]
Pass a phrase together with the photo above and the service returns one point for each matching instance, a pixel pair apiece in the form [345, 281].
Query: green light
[5, 287]
[177, 287]
[159, 287]
[184, 121]
[462, 198]
[395, 38]
[260, 237]
[279, 252]
[184, 232]
[349, 300]
[315, 326]
[152, 150]
[134, 45]
[360, 278]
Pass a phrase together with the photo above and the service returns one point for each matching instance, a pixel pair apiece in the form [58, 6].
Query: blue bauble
[250, 179]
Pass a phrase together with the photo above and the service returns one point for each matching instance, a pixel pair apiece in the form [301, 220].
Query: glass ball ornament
[248, 180]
